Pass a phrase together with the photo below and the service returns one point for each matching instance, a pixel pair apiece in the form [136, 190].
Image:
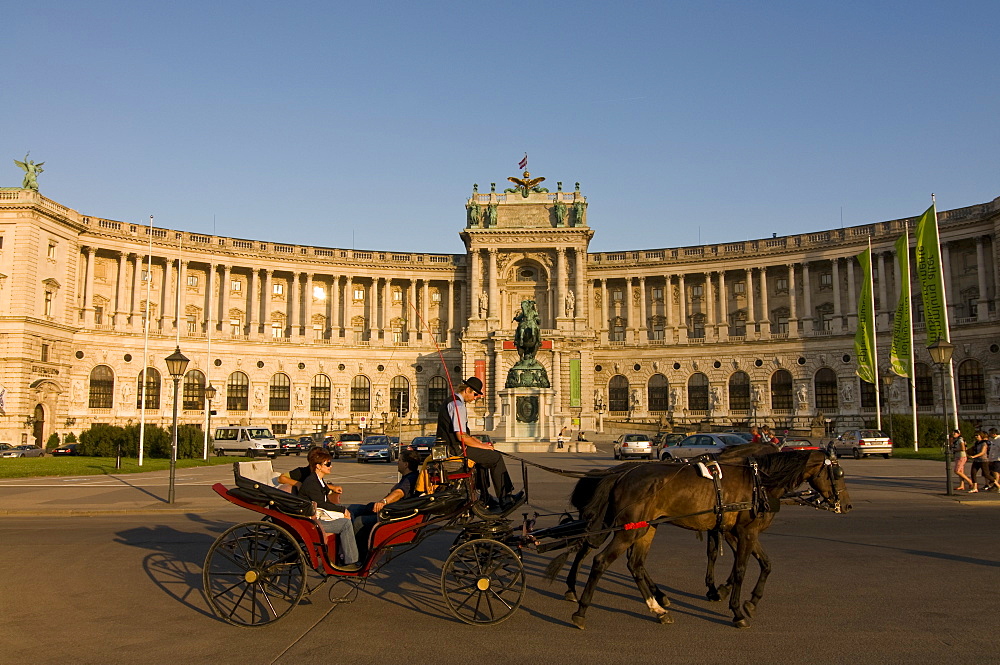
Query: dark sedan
[289, 446]
[423, 445]
[66, 450]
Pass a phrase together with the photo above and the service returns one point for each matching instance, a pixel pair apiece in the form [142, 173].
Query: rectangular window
[1, 242]
[397, 296]
[319, 293]
[436, 296]
[617, 333]
[739, 287]
[52, 251]
[235, 329]
[279, 428]
[146, 276]
[192, 326]
[45, 353]
[277, 289]
[781, 285]
[277, 332]
[697, 291]
[192, 280]
[48, 303]
[658, 294]
[826, 280]
[617, 295]
[98, 315]
[235, 285]
[359, 293]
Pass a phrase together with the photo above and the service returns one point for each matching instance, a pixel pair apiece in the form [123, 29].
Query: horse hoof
[665, 618]
[741, 623]
[713, 596]
[579, 621]
[571, 596]
[749, 608]
[723, 592]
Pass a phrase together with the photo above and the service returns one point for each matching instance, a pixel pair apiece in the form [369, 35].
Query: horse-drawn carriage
[256, 572]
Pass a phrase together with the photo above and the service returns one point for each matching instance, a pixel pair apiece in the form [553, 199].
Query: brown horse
[584, 490]
[632, 503]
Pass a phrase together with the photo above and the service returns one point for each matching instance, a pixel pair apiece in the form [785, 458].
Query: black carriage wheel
[254, 574]
[482, 582]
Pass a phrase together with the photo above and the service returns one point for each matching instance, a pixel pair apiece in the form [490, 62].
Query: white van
[246, 440]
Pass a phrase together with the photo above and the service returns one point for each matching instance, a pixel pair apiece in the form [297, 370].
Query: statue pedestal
[526, 420]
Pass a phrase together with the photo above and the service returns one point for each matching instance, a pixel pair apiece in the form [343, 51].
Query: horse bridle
[811, 497]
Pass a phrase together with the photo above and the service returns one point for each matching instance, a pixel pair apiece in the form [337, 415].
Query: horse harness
[709, 467]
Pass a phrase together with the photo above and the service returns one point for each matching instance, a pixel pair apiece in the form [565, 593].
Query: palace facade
[305, 339]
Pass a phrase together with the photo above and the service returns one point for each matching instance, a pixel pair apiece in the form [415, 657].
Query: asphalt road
[907, 577]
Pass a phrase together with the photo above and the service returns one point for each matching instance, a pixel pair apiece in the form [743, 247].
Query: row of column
[565, 302]
[338, 308]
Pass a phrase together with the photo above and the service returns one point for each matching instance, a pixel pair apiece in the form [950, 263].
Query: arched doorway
[39, 426]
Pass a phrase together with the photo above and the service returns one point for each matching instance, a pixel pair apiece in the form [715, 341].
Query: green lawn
[936, 454]
[29, 467]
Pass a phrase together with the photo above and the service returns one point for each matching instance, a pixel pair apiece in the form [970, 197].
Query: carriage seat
[257, 488]
[259, 470]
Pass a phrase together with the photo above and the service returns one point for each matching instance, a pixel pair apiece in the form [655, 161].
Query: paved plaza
[102, 570]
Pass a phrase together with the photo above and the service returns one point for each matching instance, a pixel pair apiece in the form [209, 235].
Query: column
[384, 327]
[581, 291]
[425, 298]
[371, 322]
[982, 306]
[475, 288]
[838, 313]
[409, 299]
[723, 306]
[765, 309]
[336, 329]
[668, 302]
[449, 329]
[643, 338]
[605, 309]
[807, 298]
[167, 306]
[120, 292]
[852, 297]
[946, 275]
[181, 299]
[211, 304]
[137, 294]
[292, 313]
[225, 286]
[709, 304]
[307, 312]
[494, 293]
[751, 314]
[88, 288]
[682, 321]
[266, 290]
[882, 312]
[793, 305]
[561, 284]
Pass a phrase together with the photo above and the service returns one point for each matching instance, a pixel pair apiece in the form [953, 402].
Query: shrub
[70, 438]
[52, 442]
[103, 441]
[933, 430]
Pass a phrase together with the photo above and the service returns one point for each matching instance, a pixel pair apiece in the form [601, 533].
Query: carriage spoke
[482, 582]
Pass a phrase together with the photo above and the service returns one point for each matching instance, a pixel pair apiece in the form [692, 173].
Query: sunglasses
[327, 464]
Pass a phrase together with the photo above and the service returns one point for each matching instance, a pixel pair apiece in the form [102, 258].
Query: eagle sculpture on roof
[526, 184]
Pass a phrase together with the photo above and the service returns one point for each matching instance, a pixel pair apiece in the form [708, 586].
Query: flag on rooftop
[523, 164]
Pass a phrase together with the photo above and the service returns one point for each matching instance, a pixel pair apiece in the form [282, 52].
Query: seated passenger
[366, 515]
[314, 488]
[290, 481]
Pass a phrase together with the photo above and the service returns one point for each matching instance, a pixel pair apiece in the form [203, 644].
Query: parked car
[666, 440]
[862, 443]
[246, 440]
[700, 444]
[634, 445]
[798, 444]
[344, 444]
[65, 450]
[746, 436]
[376, 448]
[423, 445]
[23, 451]
[307, 442]
[291, 445]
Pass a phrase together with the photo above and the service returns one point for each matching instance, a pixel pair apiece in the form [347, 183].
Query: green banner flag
[902, 328]
[864, 338]
[931, 280]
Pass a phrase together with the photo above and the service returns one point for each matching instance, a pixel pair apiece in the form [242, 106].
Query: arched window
[781, 390]
[238, 392]
[399, 395]
[280, 393]
[618, 393]
[194, 391]
[825, 386]
[970, 383]
[437, 392]
[361, 394]
[656, 393]
[924, 384]
[739, 391]
[102, 387]
[698, 392]
[152, 389]
[319, 393]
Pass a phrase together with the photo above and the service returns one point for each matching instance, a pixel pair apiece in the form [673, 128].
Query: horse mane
[785, 470]
[585, 487]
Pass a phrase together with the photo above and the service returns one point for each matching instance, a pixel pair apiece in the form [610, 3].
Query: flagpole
[947, 325]
[878, 386]
[145, 342]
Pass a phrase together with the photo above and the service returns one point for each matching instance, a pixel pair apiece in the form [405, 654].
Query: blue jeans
[346, 544]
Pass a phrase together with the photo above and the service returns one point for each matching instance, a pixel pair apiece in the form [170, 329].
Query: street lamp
[599, 407]
[210, 393]
[941, 353]
[177, 363]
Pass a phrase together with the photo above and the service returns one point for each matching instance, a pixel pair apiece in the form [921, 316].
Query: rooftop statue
[31, 171]
[526, 184]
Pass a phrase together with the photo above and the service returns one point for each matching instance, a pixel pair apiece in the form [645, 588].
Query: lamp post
[887, 378]
[599, 407]
[177, 363]
[941, 353]
[210, 393]
[385, 420]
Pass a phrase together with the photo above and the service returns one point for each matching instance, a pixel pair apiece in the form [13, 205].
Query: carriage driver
[453, 429]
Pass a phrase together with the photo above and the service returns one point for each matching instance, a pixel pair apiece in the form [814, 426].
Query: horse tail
[584, 490]
[552, 570]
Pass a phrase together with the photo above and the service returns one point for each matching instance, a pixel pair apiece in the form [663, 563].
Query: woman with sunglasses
[314, 488]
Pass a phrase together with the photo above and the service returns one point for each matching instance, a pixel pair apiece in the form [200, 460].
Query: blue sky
[366, 124]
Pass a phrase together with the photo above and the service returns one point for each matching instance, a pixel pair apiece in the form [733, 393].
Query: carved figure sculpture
[31, 171]
[674, 396]
[484, 303]
[570, 303]
[560, 209]
[491, 215]
[475, 214]
[847, 392]
[578, 213]
[716, 396]
[803, 395]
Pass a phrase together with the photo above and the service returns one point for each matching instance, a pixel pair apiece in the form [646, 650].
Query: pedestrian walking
[957, 444]
[977, 456]
[993, 457]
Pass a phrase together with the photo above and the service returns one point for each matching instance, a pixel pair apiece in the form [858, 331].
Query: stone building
[306, 339]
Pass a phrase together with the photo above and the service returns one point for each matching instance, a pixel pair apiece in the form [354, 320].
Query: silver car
[701, 444]
[23, 451]
[862, 443]
[634, 445]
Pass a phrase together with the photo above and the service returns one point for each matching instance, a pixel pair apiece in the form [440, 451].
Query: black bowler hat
[475, 383]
